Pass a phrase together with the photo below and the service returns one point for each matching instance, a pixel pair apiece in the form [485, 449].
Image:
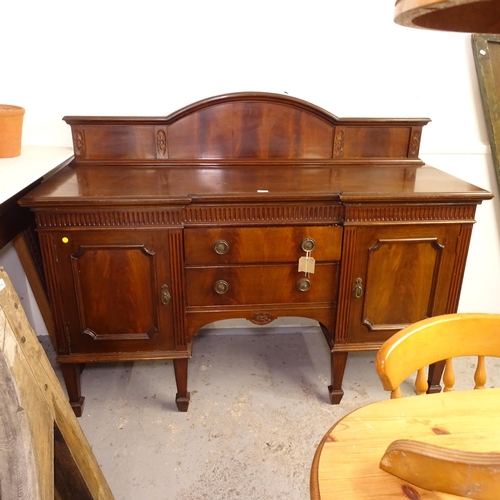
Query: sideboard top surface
[115, 185]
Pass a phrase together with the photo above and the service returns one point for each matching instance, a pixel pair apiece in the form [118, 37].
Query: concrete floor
[259, 407]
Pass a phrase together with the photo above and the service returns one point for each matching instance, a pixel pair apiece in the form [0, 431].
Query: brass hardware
[165, 295]
[221, 287]
[303, 285]
[221, 247]
[358, 288]
[308, 245]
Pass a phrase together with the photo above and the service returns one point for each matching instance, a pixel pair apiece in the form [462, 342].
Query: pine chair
[436, 339]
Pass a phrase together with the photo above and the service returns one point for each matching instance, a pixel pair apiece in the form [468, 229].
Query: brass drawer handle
[303, 285]
[358, 288]
[165, 295]
[221, 247]
[221, 287]
[308, 245]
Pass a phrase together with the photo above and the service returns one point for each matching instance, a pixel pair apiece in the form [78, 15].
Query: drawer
[268, 284]
[216, 246]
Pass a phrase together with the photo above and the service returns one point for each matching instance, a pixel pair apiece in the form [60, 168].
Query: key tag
[307, 264]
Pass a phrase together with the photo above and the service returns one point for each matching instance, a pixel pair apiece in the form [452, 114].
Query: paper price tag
[306, 265]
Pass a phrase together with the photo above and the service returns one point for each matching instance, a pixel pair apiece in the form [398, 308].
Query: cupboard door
[400, 275]
[115, 290]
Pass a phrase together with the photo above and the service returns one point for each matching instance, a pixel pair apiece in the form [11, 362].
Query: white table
[17, 176]
[35, 162]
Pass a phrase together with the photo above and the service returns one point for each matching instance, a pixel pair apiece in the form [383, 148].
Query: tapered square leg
[181, 373]
[71, 374]
[434, 377]
[338, 360]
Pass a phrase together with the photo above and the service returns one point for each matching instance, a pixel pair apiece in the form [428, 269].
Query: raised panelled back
[377, 142]
[246, 126]
[120, 142]
[257, 130]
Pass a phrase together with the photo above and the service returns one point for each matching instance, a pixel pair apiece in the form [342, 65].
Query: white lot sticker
[2, 284]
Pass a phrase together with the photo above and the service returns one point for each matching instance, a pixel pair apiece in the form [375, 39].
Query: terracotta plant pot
[11, 128]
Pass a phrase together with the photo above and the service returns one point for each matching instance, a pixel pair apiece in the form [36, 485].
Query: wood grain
[436, 339]
[468, 16]
[346, 464]
[34, 404]
[146, 198]
[463, 473]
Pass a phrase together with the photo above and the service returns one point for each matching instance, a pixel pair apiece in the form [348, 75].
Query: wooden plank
[35, 281]
[41, 404]
[20, 462]
[486, 51]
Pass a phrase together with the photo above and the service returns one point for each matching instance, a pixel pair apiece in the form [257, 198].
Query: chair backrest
[436, 339]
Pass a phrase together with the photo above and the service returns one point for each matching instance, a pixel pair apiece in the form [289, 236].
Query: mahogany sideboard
[161, 225]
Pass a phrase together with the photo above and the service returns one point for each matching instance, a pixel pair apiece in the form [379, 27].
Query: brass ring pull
[358, 288]
[308, 245]
[221, 247]
[221, 287]
[165, 295]
[303, 285]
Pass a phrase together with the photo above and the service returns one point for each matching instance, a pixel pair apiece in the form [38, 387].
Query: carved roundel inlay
[262, 318]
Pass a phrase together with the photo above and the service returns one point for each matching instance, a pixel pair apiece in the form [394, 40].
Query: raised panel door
[400, 275]
[115, 290]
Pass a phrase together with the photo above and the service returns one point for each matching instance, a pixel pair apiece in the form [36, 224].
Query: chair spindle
[480, 374]
[396, 393]
[421, 384]
[449, 376]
